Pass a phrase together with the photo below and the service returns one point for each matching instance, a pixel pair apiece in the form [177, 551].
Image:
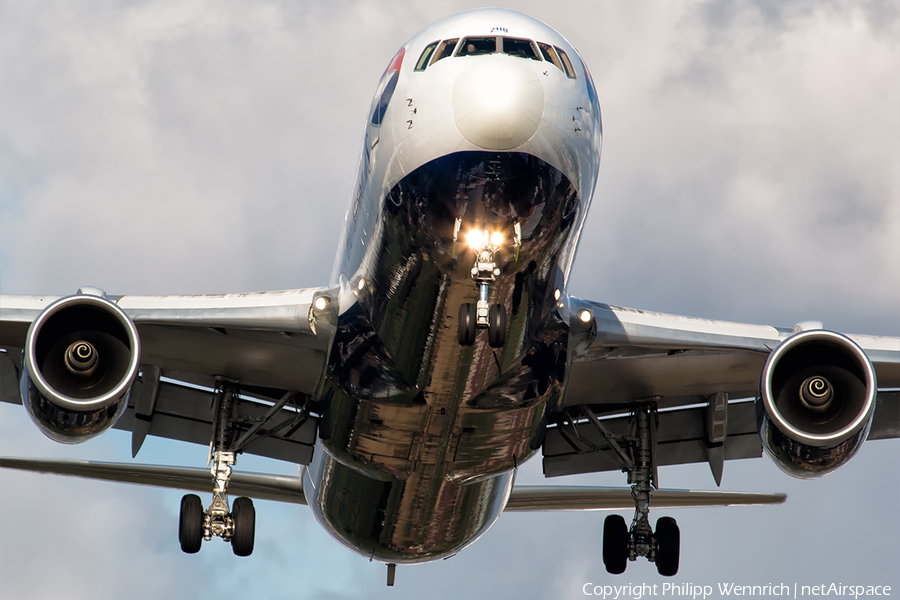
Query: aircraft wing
[275, 343]
[622, 355]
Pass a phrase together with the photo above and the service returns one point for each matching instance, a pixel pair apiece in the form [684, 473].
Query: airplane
[413, 386]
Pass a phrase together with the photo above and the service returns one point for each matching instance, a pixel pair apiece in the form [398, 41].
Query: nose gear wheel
[467, 325]
[497, 326]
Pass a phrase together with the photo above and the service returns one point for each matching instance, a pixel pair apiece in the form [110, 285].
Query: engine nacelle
[817, 396]
[81, 358]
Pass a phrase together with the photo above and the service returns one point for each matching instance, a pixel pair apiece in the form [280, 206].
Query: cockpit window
[567, 66]
[426, 54]
[473, 46]
[444, 50]
[520, 48]
[550, 55]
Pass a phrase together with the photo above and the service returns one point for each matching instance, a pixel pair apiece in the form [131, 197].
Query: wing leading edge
[270, 339]
[623, 354]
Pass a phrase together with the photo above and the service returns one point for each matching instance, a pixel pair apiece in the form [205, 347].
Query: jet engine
[81, 358]
[817, 396]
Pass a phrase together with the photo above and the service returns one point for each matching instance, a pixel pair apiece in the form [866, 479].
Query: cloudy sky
[750, 172]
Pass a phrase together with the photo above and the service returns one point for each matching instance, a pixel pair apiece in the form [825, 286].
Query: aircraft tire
[190, 524]
[244, 516]
[668, 536]
[466, 325]
[615, 544]
[497, 326]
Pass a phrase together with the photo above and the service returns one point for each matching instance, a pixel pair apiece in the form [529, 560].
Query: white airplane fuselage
[421, 435]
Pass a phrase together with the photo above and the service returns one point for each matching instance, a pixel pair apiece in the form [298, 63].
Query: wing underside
[275, 344]
[701, 376]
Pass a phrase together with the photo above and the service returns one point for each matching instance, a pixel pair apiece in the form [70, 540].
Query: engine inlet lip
[63, 400]
[835, 339]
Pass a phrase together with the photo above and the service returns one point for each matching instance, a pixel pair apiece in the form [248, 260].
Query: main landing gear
[238, 525]
[621, 544]
[483, 315]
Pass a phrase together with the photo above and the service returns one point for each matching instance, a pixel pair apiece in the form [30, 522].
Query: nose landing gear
[483, 315]
[472, 318]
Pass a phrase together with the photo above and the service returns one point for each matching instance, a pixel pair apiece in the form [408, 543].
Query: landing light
[361, 284]
[474, 238]
[321, 302]
[585, 316]
[557, 294]
[481, 239]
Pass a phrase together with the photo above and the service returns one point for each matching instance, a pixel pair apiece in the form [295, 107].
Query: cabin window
[444, 50]
[567, 66]
[520, 48]
[426, 54]
[550, 55]
[474, 46]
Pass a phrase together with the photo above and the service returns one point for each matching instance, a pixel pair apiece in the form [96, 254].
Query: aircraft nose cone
[498, 104]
